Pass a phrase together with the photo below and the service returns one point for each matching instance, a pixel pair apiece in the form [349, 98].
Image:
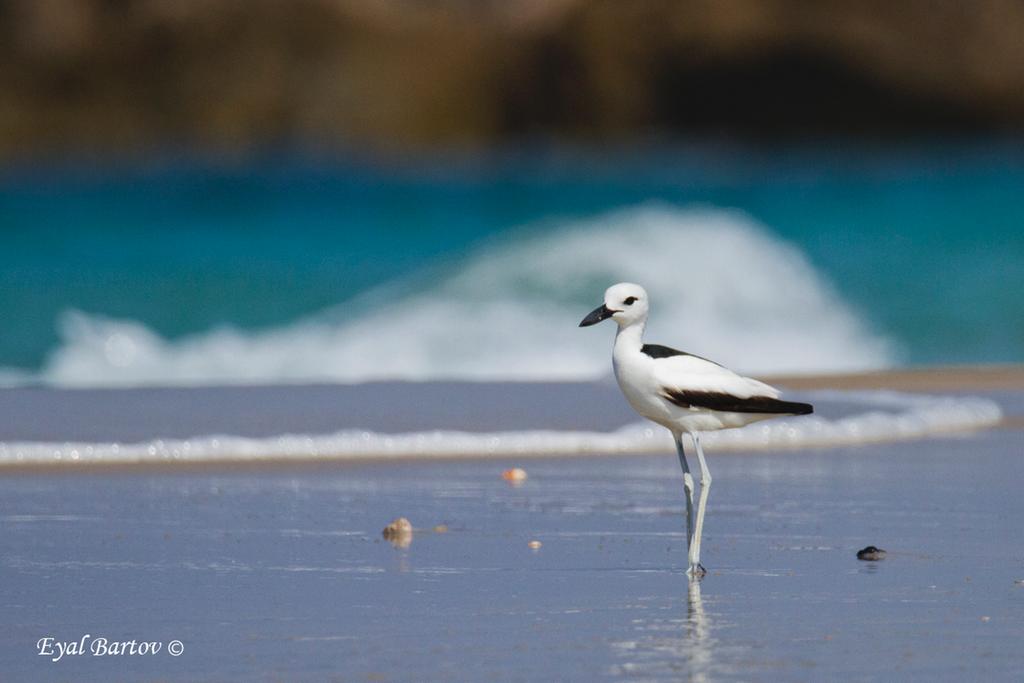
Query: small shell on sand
[398, 527]
[870, 554]
[534, 545]
[516, 475]
[399, 532]
[440, 528]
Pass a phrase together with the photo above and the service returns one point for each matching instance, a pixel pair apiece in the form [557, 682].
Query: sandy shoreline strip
[938, 379]
[955, 378]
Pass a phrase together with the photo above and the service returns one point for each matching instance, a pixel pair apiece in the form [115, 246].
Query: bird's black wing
[716, 400]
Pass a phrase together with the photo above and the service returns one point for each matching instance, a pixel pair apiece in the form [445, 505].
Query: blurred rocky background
[118, 77]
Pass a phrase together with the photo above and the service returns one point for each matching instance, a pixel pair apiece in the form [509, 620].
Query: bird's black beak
[597, 315]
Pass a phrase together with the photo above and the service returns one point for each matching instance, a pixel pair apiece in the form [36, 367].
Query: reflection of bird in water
[671, 646]
[697, 634]
[685, 393]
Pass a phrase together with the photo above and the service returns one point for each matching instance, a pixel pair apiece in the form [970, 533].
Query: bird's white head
[625, 303]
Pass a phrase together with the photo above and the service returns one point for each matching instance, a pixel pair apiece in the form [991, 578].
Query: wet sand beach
[282, 574]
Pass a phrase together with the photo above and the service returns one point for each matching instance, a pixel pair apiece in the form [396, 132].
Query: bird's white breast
[637, 379]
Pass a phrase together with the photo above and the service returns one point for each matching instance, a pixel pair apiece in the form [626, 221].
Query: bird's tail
[794, 408]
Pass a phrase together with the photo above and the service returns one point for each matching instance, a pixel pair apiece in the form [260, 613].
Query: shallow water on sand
[280, 573]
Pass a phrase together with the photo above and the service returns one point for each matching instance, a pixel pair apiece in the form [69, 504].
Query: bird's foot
[696, 571]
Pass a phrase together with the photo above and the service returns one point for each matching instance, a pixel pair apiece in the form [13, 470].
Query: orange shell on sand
[516, 474]
[534, 544]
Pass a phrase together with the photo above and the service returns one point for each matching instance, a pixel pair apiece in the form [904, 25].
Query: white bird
[685, 393]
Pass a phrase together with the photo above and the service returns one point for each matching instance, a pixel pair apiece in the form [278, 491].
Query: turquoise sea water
[289, 270]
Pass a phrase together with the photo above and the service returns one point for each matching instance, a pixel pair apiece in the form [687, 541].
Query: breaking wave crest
[721, 286]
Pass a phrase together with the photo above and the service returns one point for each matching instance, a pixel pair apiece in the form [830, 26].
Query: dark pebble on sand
[870, 554]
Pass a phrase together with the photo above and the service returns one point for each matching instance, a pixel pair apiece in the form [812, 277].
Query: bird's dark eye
[630, 300]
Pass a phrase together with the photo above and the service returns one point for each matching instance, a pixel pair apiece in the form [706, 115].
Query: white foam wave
[721, 285]
[890, 416]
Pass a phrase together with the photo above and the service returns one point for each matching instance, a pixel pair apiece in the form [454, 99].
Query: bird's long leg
[705, 488]
[688, 486]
